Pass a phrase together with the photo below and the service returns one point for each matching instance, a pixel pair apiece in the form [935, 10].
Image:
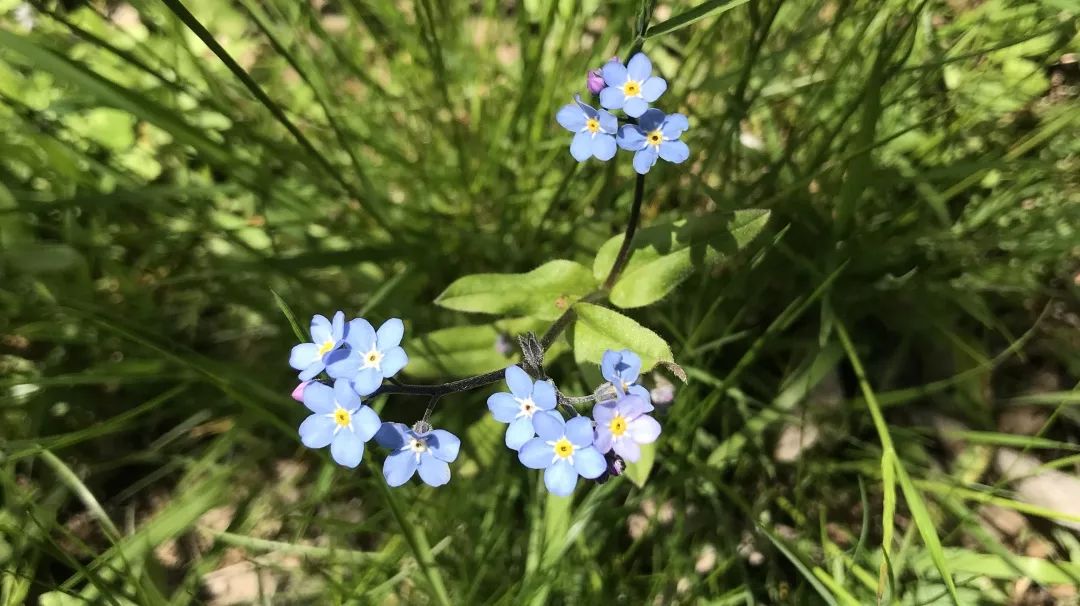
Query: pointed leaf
[544, 292]
[599, 329]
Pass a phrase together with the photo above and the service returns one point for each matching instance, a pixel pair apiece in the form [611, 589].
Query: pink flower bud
[298, 393]
[595, 81]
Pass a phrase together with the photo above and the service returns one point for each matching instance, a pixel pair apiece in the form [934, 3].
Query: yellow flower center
[373, 358]
[342, 417]
[592, 125]
[631, 88]
[563, 448]
[656, 137]
[617, 426]
[325, 347]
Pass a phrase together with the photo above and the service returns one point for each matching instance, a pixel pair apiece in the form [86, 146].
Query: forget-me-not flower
[623, 426]
[526, 399]
[326, 336]
[631, 87]
[373, 355]
[340, 420]
[594, 130]
[622, 368]
[655, 135]
[564, 450]
[427, 451]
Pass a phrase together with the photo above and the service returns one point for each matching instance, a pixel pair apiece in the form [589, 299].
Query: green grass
[183, 183]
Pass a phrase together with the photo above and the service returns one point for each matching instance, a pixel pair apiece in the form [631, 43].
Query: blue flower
[339, 420]
[655, 135]
[372, 356]
[595, 131]
[311, 358]
[632, 87]
[428, 451]
[622, 369]
[564, 451]
[623, 426]
[526, 399]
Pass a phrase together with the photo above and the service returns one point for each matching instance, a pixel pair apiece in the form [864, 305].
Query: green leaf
[705, 9]
[664, 255]
[638, 472]
[599, 329]
[35, 258]
[541, 293]
[556, 525]
[464, 350]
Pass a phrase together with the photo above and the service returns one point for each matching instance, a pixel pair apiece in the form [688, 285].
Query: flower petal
[560, 479]
[345, 395]
[630, 138]
[347, 448]
[604, 412]
[610, 360]
[311, 371]
[360, 335]
[304, 355]
[608, 123]
[603, 438]
[644, 429]
[519, 432]
[443, 444]
[367, 381]
[652, 88]
[651, 120]
[581, 146]
[571, 118]
[674, 126]
[629, 366]
[549, 427]
[543, 395]
[614, 74]
[675, 152]
[433, 471]
[612, 98]
[337, 327]
[603, 147]
[635, 106]
[579, 431]
[399, 467]
[343, 363]
[321, 331]
[641, 392]
[585, 108]
[535, 454]
[639, 68]
[589, 463]
[389, 334]
[366, 423]
[317, 431]
[503, 407]
[627, 449]
[632, 406]
[319, 398]
[393, 361]
[392, 435]
[521, 384]
[644, 160]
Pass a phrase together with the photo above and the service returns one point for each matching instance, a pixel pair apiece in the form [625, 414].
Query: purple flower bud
[503, 345]
[595, 81]
[615, 467]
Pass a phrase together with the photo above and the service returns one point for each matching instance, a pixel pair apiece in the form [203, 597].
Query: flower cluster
[358, 358]
[649, 132]
[579, 446]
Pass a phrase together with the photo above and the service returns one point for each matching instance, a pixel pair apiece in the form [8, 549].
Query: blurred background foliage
[865, 382]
